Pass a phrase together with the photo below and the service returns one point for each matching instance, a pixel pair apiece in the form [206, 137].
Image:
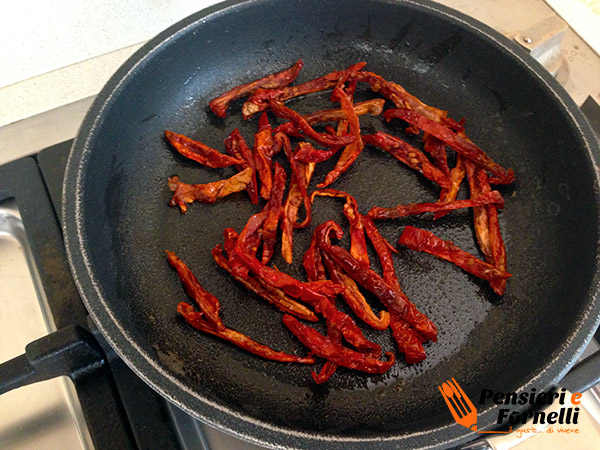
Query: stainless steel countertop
[42, 415]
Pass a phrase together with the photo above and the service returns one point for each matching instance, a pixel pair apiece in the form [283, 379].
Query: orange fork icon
[461, 406]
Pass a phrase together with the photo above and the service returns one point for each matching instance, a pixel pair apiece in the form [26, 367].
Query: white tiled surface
[38, 36]
[584, 16]
[59, 52]
[60, 87]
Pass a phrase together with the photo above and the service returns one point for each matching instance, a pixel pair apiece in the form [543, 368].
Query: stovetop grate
[120, 410]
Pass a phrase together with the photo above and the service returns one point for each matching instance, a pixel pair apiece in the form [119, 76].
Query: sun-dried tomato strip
[329, 129]
[307, 153]
[309, 292]
[317, 293]
[407, 154]
[358, 242]
[457, 141]
[353, 150]
[297, 196]
[277, 80]
[498, 249]
[301, 175]
[273, 295]
[295, 167]
[274, 208]
[425, 241]
[409, 343]
[354, 298]
[384, 252]
[199, 152]
[230, 237]
[195, 319]
[437, 150]
[340, 324]
[236, 146]
[411, 209]
[396, 93]
[209, 304]
[448, 194]
[263, 151]
[373, 107]
[496, 243]
[324, 347]
[325, 374]
[259, 100]
[248, 242]
[402, 99]
[251, 236]
[207, 193]
[315, 270]
[480, 213]
[351, 86]
[345, 325]
[312, 261]
[351, 294]
[342, 127]
[327, 140]
[389, 295]
[234, 150]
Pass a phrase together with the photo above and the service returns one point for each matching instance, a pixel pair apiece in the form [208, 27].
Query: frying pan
[117, 222]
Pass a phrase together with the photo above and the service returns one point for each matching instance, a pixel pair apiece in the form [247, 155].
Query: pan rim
[147, 367]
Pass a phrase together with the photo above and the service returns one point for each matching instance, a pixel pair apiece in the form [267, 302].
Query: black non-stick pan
[118, 222]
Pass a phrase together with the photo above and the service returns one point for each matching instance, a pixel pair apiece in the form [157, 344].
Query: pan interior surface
[119, 222]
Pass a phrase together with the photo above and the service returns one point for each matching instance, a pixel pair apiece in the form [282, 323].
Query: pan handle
[74, 352]
[70, 351]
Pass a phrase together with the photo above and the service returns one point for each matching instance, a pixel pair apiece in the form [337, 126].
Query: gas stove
[103, 404]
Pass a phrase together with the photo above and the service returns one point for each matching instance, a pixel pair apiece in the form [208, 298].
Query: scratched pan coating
[118, 223]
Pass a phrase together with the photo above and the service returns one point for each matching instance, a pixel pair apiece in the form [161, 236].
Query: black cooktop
[121, 411]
